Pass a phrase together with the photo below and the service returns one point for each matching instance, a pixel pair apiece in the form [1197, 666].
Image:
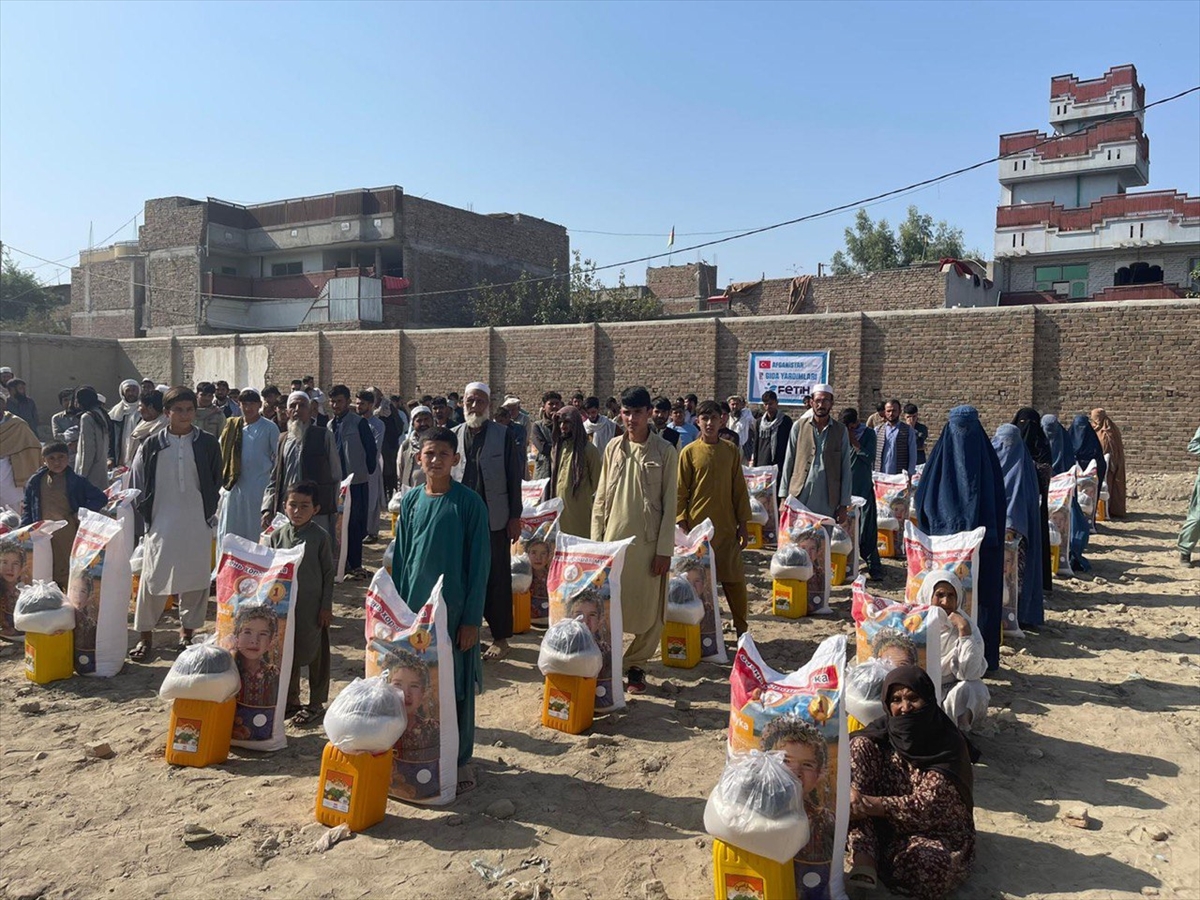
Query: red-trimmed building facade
[1066, 228]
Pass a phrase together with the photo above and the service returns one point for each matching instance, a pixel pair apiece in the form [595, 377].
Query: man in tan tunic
[636, 498]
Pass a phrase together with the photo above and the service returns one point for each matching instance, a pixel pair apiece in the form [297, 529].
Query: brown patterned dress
[925, 846]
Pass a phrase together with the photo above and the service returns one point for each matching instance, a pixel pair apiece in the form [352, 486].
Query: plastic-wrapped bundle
[522, 574]
[1055, 536]
[9, 521]
[568, 648]
[683, 603]
[864, 690]
[757, 807]
[388, 554]
[42, 608]
[394, 504]
[758, 512]
[791, 562]
[202, 672]
[840, 543]
[135, 561]
[367, 716]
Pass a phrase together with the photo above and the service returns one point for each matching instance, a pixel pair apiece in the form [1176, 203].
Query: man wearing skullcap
[816, 469]
[124, 416]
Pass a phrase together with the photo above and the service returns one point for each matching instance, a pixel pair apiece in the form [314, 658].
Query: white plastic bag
[522, 574]
[840, 541]
[341, 528]
[758, 512]
[791, 562]
[367, 716]
[683, 603]
[42, 608]
[756, 806]
[693, 560]
[864, 690]
[205, 671]
[568, 648]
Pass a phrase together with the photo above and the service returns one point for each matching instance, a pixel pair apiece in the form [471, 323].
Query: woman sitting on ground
[912, 818]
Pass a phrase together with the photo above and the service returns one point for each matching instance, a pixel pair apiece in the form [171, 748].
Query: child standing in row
[313, 612]
[55, 492]
[712, 486]
[443, 532]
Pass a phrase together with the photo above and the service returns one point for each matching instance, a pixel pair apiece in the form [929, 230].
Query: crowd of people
[630, 467]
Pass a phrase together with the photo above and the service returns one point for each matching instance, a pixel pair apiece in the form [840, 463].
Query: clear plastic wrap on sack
[840, 542]
[204, 671]
[9, 520]
[367, 716]
[135, 560]
[683, 603]
[42, 608]
[864, 690]
[1055, 537]
[568, 648]
[757, 807]
[791, 562]
[394, 503]
[758, 512]
[388, 555]
[522, 574]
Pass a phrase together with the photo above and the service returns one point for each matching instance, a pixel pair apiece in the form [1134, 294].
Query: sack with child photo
[957, 553]
[811, 532]
[100, 583]
[256, 592]
[341, 528]
[760, 482]
[414, 649]
[585, 580]
[693, 561]
[802, 715]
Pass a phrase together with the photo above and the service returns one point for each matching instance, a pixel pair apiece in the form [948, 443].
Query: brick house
[1067, 229]
[350, 259]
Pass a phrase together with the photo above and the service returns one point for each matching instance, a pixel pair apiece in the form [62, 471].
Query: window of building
[1066, 281]
[287, 268]
[1194, 273]
[228, 270]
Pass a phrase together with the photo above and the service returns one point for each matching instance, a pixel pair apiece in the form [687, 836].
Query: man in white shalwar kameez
[257, 439]
[178, 472]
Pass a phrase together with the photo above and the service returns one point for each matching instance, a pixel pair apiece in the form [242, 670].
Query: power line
[833, 210]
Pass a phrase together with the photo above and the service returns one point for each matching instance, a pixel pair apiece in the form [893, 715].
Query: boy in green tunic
[313, 613]
[712, 486]
[443, 532]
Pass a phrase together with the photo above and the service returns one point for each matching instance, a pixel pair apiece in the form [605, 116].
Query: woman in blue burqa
[961, 489]
[1022, 520]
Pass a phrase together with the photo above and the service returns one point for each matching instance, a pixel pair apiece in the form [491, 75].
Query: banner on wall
[790, 374]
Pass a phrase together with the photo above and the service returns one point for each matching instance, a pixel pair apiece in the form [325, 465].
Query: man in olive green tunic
[636, 498]
[712, 486]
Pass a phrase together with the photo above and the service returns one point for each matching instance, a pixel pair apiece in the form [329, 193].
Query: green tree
[25, 303]
[578, 295]
[871, 246]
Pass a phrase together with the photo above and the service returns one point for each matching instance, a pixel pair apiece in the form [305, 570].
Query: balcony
[301, 210]
[1118, 147]
[1120, 206]
[1073, 102]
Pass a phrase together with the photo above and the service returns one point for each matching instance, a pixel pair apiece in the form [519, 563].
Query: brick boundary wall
[1137, 359]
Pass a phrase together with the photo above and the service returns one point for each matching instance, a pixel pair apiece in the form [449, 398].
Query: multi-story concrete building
[1067, 228]
[354, 259]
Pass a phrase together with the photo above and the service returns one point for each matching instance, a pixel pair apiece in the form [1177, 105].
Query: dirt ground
[1100, 709]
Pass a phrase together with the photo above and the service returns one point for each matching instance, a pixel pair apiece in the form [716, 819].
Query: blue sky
[617, 117]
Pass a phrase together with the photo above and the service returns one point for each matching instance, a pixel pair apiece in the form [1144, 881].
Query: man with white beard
[492, 465]
[307, 452]
[124, 416]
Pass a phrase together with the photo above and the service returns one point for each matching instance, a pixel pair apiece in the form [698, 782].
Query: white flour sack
[531, 491]
[770, 708]
[693, 561]
[957, 553]
[585, 582]
[414, 649]
[25, 552]
[99, 587]
[256, 592]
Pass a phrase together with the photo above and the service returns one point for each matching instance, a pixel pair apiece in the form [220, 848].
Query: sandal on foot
[142, 652]
[289, 712]
[495, 653]
[466, 779]
[308, 715]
